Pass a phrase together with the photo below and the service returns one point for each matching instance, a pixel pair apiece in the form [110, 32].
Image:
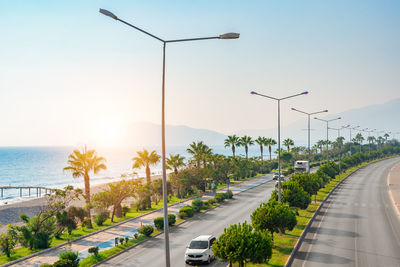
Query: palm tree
[321, 144]
[197, 150]
[359, 139]
[287, 143]
[146, 159]
[261, 141]
[339, 142]
[386, 135]
[174, 162]
[232, 141]
[246, 141]
[270, 142]
[80, 165]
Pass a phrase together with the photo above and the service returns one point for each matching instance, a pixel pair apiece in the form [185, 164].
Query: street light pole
[279, 132]
[327, 135]
[163, 161]
[308, 116]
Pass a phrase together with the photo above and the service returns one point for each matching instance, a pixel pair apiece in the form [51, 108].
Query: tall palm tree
[370, 139]
[321, 144]
[287, 143]
[261, 141]
[233, 141]
[246, 141]
[386, 135]
[197, 150]
[81, 164]
[270, 142]
[174, 162]
[146, 159]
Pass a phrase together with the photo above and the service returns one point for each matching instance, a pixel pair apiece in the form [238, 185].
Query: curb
[289, 261]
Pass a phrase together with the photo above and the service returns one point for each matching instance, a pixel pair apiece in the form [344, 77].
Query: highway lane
[357, 226]
[151, 252]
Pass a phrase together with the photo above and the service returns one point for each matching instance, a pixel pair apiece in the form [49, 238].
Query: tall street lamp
[340, 154]
[362, 130]
[327, 135]
[308, 116]
[352, 128]
[279, 132]
[230, 35]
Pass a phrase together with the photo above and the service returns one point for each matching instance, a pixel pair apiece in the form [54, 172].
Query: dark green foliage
[46, 265]
[63, 263]
[126, 239]
[8, 240]
[121, 240]
[65, 221]
[293, 194]
[78, 213]
[240, 243]
[70, 256]
[94, 251]
[229, 194]
[101, 217]
[197, 205]
[146, 230]
[171, 219]
[310, 183]
[188, 210]
[210, 201]
[86, 222]
[38, 231]
[273, 216]
[219, 197]
[125, 210]
[182, 215]
[286, 156]
[159, 223]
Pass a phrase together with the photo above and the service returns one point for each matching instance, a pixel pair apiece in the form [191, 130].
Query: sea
[43, 166]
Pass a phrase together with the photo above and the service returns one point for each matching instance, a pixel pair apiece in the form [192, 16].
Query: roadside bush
[229, 194]
[86, 222]
[136, 235]
[146, 230]
[101, 218]
[63, 263]
[197, 205]
[94, 251]
[171, 219]
[78, 213]
[70, 256]
[182, 215]
[159, 223]
[188, 210]
[210, 202]
[121, 240]
[45, 265]
[126, 239]
[219, 197]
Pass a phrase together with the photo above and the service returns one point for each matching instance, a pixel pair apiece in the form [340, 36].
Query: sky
[69, 74]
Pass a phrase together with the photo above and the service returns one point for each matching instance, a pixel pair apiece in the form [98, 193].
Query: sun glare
[108, 132]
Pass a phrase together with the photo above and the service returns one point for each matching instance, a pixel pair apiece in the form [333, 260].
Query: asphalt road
[357, 226]
[151, 252]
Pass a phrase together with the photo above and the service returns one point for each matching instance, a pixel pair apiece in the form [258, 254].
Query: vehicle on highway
[276, 175]
[301, 166]
[199, 249]
[277, 182]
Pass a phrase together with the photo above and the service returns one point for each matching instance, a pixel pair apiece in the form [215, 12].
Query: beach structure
[29, 188]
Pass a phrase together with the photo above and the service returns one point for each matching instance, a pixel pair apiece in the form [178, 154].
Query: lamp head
[253, 93]
[325, 110]
[230, 35]
[293, 109]
[107, 13]
[305, 93]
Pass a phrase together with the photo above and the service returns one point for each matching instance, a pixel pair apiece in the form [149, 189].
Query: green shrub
[70, 256]
[94, 251]
[121, 240]
[86, 222]
[229, 194]
[45, 265]
[197, 205]
[125, 210]
[101, 218]
[136, 235]
[171, 219]
[219, 197]
[126, 239]
[182, 215]
[159, 223]
[188, 210]
[63, 263]
[146, 230]
[210, 201]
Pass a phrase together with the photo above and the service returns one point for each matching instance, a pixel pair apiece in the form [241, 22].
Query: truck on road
[301, 166]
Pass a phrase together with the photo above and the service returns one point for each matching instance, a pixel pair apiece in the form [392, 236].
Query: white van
[199, 249]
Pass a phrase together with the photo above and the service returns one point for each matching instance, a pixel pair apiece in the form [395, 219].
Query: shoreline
[9, 213]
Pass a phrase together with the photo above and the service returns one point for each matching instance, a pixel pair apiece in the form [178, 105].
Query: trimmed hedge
[146, 230]
[188, 210]
[197, 205]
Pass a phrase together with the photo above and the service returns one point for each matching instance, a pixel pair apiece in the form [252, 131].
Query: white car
[276, 175]
[199, 249]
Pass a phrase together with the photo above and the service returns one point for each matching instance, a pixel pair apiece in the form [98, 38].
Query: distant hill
[381, 117]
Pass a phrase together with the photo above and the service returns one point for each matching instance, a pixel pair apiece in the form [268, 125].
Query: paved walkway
[394, 187]
[105, 239]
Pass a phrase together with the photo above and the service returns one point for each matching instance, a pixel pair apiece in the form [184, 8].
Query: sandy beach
[9, 213]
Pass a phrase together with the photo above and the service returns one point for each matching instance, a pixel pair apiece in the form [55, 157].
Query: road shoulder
[393, 182]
